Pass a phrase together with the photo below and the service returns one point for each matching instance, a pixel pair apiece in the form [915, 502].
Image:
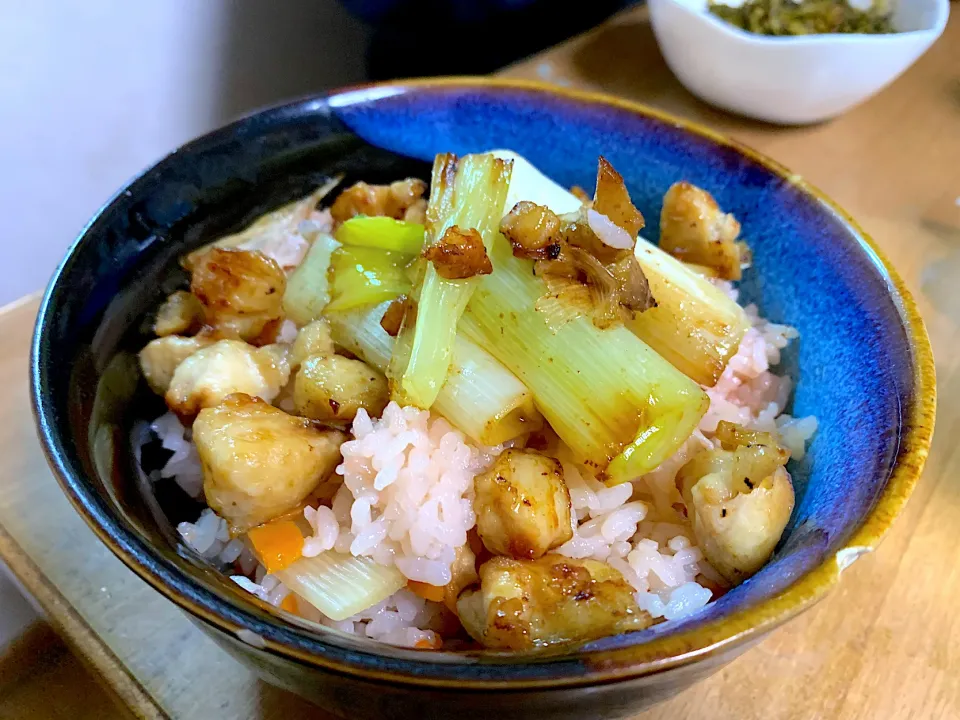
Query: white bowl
[789, 80]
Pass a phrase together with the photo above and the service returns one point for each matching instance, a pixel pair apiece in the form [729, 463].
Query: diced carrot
[289, 603]
[424, 644]
[277, 544]
[433, 593]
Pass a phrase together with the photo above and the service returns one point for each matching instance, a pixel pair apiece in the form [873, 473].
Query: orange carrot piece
[433, 593]
[277, 544]
[424, 644]
[289, 603]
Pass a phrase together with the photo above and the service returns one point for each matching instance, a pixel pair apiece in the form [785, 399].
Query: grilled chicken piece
[459, 254]
[180, 314]
[533, 231]
[612, 199]
[331, 388]
[522, 505]
[416, 213]
[396, 313]
[258, 462]
[397, 200]
[313, 339]
[739, 499]
[522, 604]
[463, 574]
[207, 376]
[160, 358]
[241, 292]
[694, 229]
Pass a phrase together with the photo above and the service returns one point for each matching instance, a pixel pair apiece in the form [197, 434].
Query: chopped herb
[808, 17]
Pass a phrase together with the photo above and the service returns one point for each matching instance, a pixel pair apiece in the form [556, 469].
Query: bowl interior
[853, 365]
[919, 15]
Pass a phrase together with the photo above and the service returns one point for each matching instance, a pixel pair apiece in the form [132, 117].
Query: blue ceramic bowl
[863, 366]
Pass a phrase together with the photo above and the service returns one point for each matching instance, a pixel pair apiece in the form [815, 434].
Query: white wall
[93, 91]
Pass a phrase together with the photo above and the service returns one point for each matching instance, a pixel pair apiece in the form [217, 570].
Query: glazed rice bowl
[812, 268]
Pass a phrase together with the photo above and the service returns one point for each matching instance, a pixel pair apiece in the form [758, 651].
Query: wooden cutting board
[885, 644]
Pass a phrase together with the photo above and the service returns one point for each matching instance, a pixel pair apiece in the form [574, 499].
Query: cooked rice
[184, 465]
[326, 530]
[407, 496]
[403, 619]
[609, 525]
[268, 588]
[407, 493]
[208, 536]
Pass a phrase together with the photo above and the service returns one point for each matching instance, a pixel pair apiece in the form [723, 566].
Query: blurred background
[136, 79]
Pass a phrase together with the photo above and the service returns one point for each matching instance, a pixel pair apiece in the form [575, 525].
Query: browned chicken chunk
[258, 462]
[739, 499]
[694, 229]
[160, 358]
[241, 291]
[612, 199]
[533, 231]
[394, 200]
[522, 604]
[459, 254]
[575, 231]
[463, 573]
[332, 388]
[208, 375]
[522, 505]
[416, 213]
[313, 339]
[395, 314]
[180, 314]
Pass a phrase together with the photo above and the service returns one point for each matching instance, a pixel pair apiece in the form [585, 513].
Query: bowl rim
[408, 667]
[932, 32]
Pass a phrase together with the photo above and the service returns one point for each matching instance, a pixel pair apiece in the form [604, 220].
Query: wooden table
[885, 644]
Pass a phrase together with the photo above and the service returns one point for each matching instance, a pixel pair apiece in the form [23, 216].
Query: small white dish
[789, 80]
